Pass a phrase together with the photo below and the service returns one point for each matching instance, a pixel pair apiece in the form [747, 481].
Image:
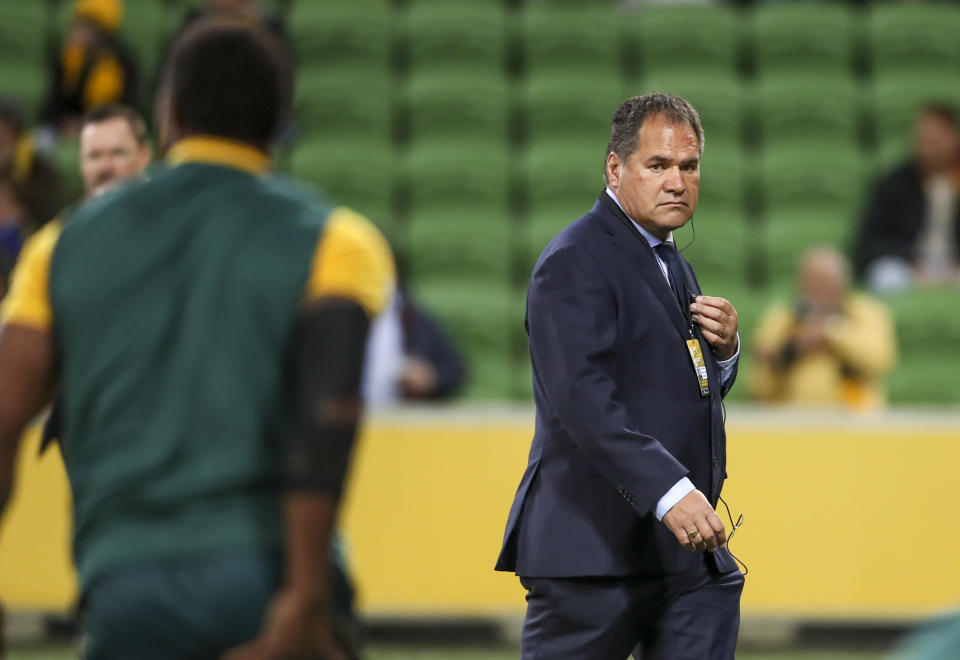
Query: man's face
[659, 183]
[110, 153]
[937, 143]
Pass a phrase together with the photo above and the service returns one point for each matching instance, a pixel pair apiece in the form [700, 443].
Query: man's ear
[612, 170]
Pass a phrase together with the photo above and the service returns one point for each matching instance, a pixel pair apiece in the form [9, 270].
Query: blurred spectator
[910, 232]
[114, 147]
[93, 68]
[409, 356]
[37, 178]
[832, 347]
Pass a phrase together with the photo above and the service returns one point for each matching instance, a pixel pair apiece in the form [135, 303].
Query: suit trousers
[692, 616]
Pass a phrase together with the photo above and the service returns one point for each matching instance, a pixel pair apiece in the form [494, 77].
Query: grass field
[450, 653]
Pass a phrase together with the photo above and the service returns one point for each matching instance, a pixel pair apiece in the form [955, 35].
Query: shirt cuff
[726, 366]
[680, 490]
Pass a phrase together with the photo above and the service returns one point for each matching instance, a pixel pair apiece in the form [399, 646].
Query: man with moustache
[613, 531]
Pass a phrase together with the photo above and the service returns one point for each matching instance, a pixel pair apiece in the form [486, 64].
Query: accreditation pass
[699, 367]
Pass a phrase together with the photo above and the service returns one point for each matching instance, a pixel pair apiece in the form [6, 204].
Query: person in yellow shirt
[833, 347]
[93, 68]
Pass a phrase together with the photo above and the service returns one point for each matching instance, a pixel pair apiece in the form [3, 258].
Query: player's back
[174, 303]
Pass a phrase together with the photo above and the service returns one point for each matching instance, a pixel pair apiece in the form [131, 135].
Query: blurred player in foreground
[207, 330]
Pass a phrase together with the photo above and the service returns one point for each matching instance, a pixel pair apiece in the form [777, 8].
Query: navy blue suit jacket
[620, 418]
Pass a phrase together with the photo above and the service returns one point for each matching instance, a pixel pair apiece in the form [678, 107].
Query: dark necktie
[667, 251]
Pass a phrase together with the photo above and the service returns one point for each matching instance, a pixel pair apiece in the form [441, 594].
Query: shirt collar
[213, 150]
[652, 240]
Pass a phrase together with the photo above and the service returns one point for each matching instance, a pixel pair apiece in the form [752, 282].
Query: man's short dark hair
[944, 111]
[629, 118]
[116, 111]
[229, 78]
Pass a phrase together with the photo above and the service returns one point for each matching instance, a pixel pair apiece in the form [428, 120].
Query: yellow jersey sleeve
[353, 261]
[28, 300]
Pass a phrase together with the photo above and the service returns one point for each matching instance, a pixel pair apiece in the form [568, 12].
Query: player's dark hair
[104, 113]
[944, 111]
[230, 79]
[629, 117]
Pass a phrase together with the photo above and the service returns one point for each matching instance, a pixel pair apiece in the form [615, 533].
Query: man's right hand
[694, 514]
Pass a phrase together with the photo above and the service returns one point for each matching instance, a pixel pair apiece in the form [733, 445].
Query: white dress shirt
[683, 487]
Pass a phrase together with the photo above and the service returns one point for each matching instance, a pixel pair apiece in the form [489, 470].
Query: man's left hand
[718, 320]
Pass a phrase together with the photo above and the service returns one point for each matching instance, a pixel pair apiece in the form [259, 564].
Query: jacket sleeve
[572, 323]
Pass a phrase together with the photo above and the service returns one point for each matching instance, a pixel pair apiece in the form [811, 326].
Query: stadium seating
[356, 174]
[480, 318]
[355, 34]
[683, 38]
[913, 38]
[571, 37]
[816, 37]
[561, 107]
[22, 33]
[795, 109]
[448, 173]
[928, 332]
[457, 106]
[344, 103]
[468, 244]
[456, 36]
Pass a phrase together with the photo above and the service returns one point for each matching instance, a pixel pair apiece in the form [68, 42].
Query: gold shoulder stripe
[352, 260]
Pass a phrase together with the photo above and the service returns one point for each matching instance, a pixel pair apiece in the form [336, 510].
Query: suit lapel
[630, 242]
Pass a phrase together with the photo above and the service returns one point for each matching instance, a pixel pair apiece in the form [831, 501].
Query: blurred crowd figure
[31, 191]
[93, 67]
[831, 347]
[909, 234]
[410, 357]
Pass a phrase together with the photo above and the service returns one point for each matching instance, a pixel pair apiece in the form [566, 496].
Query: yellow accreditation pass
[699, 366]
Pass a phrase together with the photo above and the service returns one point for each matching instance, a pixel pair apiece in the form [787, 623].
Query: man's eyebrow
[657, 158]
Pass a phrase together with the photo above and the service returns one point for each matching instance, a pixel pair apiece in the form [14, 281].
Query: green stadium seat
[722, 180]
[24, 81]
[789, 232]
[716, 244]
[717, 97]
[914, 38]
[480, 319]
[22, 31]
[455, 173]
[818, 37]
[811, 194]
[812, 175]
[897, 100]
[353, 34]
[144, 27]
[571, 107]
[460, 244]
[569, 37]
[342, 103]
[563, 172]
[355, 174]
[681, 39]
[455, 36]
[928, 336]
[458, 106]
[797, 109]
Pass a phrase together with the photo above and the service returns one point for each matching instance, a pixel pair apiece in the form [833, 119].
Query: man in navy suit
[613, 531]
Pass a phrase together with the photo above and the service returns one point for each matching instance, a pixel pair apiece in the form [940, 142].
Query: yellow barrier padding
[844, 517]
